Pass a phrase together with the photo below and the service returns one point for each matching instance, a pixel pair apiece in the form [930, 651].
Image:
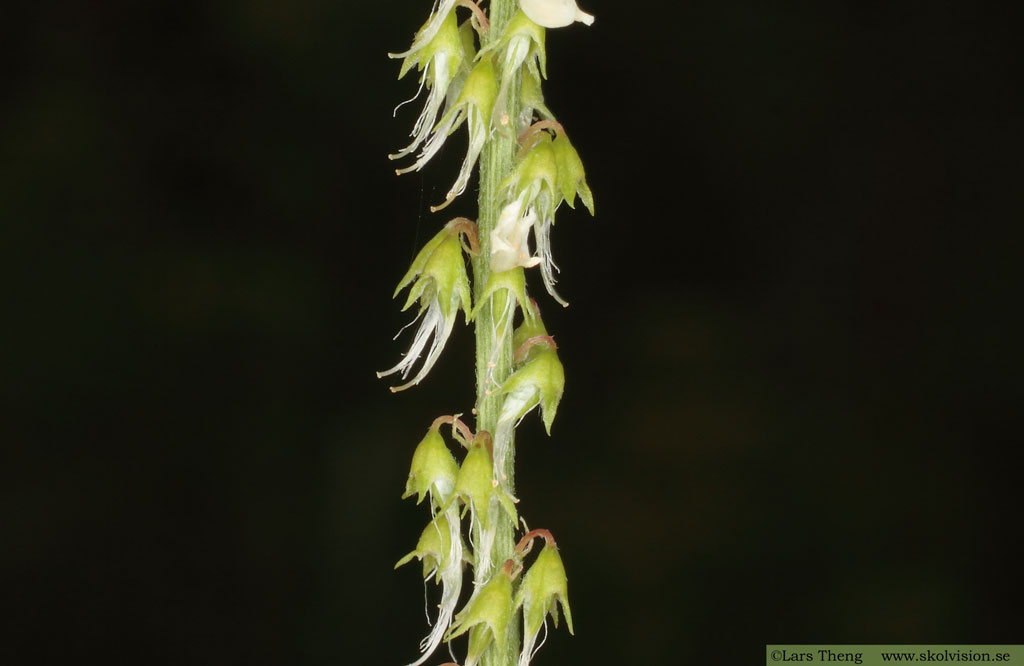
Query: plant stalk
[491, 343]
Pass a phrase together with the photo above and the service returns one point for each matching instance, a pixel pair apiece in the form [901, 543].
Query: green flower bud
[486, 616]
[535, 178]
[504, 291]
[541, 380]
[571, 178]
[440, 284]
[532, 327]
[475, 486]
[434, 548]
[544, 587]
[531, 99]
[433, 470]
[544, 584]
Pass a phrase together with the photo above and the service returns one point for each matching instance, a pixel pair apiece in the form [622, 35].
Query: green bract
[434, 547]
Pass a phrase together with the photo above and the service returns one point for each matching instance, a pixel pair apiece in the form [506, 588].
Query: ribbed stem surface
[495, 165]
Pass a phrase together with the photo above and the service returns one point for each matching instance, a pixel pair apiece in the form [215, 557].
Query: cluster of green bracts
[470, 75]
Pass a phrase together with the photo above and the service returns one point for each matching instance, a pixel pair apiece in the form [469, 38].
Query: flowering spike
[489, 81]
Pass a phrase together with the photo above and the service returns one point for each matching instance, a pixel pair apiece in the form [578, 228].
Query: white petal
[435, 328]
[554, 13]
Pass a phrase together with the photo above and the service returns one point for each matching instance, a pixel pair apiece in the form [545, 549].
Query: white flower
[441, 287]
[440, 546]
[554, 13]
[473, 106]
[440, 62]
[509, 247]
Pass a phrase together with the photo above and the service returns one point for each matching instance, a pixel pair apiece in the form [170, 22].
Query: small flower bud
[474, 485]
[541, 380]
[571, 177]
[531, 99]
[554, 13]
[531, 327]
[434, 548]
[486, 616]
[433, 470]
[535, 177]
[544, 587]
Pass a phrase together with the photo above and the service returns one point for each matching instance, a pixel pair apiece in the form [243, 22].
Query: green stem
[495, 165]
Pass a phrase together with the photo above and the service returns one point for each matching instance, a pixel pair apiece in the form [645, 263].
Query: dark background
[792, 409]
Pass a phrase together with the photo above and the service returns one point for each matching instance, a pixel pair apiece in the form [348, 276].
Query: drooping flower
[433, 473]
[487, 614]
[484, 501]
[440, 284]
[543, 586]
[554, 13]
[504, 291]
[473, 106]
[441, 549]
[439, 60]
[548, 172]
[539, 380]
[521, 43]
